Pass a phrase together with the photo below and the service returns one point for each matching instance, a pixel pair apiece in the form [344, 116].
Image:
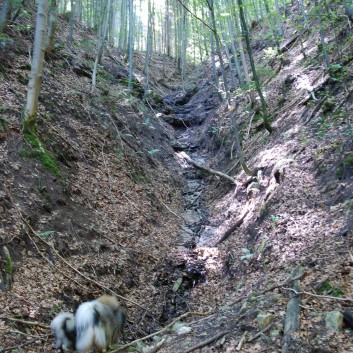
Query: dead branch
[281, 285]
[172, 212]
[160, 331]
[24, 322]
[329, 297]
[242, 341]
[253, 338]
[285, 283]
[206, 342]
[20, 345]
[292, 320]
[237, 224]
[209, 170]
[286, 46]
[155, 348]
[315, 110]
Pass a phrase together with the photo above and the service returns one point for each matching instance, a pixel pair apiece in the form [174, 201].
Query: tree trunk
[5, 14]
[102, 33]
[348, 6]
[252, 63]
[148, 47]
[71, 22]
[322, 35]
[49, 43]
[35, 79]
[131, 41]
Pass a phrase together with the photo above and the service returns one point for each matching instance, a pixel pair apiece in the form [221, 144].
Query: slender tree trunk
[71, 22]
[35, 79]
[122, 31]
[242, 55]
[322, 35]
[213, 60]
[5, 14]
[302, 9]
[278, 17]
[49, 43]
[348, 6]
[148, 47]
[252, 63]
[235, 55]
[168, 31]
[218, 47]
[102, 34]
[131, 42]
[238, 146]
[184, 46]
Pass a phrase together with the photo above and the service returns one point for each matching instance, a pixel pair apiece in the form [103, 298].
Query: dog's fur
[98, 323]
[64, 329]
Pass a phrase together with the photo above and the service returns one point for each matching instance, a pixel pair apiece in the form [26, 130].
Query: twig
[160, 331]
[28, 323]
[206, 342]
[241, 342]
[51, 263]
[237, 224]
[173, 213]
[285, 283]
[249, 127]
[24, 333]
[198, 18]
[155, 348]
[20, 345]
[345, 299]
[253, 338]
[73, 268]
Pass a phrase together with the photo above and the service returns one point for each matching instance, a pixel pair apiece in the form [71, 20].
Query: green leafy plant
[327, 288]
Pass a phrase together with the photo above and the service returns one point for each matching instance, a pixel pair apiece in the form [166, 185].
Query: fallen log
[229, 231]
[292, 321]
[209, 170]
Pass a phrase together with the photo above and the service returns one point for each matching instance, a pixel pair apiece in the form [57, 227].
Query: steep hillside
[111, 200]
[97, 201]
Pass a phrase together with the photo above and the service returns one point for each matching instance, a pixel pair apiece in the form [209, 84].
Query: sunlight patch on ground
[211, 257]
[271, 155]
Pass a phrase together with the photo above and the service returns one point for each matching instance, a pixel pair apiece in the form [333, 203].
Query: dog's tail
[63, 327]
[89, 327]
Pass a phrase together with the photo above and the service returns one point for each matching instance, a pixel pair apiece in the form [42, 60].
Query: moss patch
[39, 152]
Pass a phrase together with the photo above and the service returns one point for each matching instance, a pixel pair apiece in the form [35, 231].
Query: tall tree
[71, 22]
[5, 14]
[53, 13]
[131, 42]
[253, 69]
[102, 34]
[252, 64]
[35, 80]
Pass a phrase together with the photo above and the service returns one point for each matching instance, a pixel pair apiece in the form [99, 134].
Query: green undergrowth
[39, 152]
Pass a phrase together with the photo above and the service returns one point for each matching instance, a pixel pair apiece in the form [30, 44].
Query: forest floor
[109, 202]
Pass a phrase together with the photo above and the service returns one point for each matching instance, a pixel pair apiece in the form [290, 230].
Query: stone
[264, 320]
[333, 320]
